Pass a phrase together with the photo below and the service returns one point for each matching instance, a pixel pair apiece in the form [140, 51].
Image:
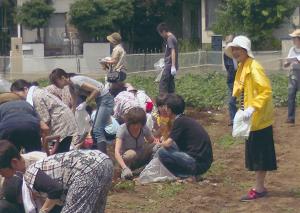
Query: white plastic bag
[159, 66]
[155, 171]
[4, 86]
[83, 121]
[241, 128]
[29, 204]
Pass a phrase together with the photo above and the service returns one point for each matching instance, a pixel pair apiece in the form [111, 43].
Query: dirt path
[226, 181]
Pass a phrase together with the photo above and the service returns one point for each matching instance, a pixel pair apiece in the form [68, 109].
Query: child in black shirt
[187, 152]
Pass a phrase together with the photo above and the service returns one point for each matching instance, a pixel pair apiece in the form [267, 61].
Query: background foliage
[98, 18]
[257, 19]
[35, 14]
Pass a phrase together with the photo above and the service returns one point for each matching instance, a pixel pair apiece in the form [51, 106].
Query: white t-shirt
[79, 80]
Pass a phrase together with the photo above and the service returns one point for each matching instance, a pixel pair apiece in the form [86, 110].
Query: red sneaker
[253, 194]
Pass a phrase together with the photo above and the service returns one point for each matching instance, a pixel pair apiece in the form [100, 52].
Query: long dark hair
[21, 84]
[58, 74]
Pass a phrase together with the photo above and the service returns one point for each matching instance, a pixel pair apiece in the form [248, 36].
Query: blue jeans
[231, 103]
[105, 106]
[179, 163]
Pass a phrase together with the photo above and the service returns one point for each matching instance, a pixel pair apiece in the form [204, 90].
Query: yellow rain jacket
[251, 78]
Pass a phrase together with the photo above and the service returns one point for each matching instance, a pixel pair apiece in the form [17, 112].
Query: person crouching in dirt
[78, 180]
[131, 149]
[253, 88]
[187, 152]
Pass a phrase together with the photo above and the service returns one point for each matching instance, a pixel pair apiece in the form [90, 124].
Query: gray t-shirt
[130, 142]
[171, 44]
[79, 80]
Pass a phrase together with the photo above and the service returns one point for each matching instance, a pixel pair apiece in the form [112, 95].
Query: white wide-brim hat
[239, 41]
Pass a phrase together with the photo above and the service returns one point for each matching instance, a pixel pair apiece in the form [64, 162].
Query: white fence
[40, 66]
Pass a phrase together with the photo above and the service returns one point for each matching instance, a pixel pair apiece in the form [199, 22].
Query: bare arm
[94, 91]
[173, 55]
[118, 153]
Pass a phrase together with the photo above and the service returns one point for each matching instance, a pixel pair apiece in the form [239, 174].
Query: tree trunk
[38, 35]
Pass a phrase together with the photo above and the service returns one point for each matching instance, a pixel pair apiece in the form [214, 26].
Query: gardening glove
[126, 173]
[248, 113]
[173, 70]
[81, 106]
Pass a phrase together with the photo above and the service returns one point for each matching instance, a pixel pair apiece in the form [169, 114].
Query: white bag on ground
[241, 128]
[155, 171]
[159, 66]
[83, 121]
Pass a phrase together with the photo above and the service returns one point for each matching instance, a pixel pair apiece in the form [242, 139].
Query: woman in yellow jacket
[253, 88]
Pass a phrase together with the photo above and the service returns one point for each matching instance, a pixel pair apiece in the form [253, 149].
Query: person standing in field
[253, 88]
[167, 84]
[230, 66]
[294, 75]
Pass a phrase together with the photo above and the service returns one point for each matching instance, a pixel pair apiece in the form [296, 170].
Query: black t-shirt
[192, 139]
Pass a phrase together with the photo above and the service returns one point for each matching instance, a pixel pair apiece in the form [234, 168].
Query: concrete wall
[62, 6]
[33, 49]
[36, 63]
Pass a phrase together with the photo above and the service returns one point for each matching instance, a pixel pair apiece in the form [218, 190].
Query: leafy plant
[35, 14]
[97, 18]
[206, 91]
[257, 19]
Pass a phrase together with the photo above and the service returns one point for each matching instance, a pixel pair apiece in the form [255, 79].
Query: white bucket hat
[239, 41]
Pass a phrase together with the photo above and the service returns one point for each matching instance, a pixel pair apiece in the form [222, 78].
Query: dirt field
[226, 181]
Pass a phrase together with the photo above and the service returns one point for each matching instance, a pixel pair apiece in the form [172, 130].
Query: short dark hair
[135, 115]
[161, 100]
[58, 74]
[8, 151]
[162, 27]
[175, 103]
[19, 85]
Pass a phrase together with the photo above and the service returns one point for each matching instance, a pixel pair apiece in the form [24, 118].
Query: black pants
[24, 136]
[7, 207]
[167, 83]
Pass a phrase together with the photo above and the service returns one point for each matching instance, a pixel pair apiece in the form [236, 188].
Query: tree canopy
[35, 14]
[256, 19]
[97, 18]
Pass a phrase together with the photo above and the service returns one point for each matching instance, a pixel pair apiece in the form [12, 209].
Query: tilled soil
[227, 180]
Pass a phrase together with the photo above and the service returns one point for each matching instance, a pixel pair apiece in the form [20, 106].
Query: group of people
[73, 178]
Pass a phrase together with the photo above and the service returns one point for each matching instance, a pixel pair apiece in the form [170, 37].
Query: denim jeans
[105, 106]
[179, 163]
[293, 89]
[231, 103]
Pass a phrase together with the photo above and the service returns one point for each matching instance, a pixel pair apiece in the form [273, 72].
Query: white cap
[239, 41]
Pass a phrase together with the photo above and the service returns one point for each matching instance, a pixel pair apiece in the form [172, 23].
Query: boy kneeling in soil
[131, 150]
[187, 152]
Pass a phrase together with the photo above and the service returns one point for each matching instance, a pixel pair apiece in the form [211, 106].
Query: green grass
[205, 91]
[228, 141]
[124, 186]
[168, 190]
[217, 168]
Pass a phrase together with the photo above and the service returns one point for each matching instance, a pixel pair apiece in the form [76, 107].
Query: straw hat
[295, 34]
[239, 41]
[8, 96]
[114, 38]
